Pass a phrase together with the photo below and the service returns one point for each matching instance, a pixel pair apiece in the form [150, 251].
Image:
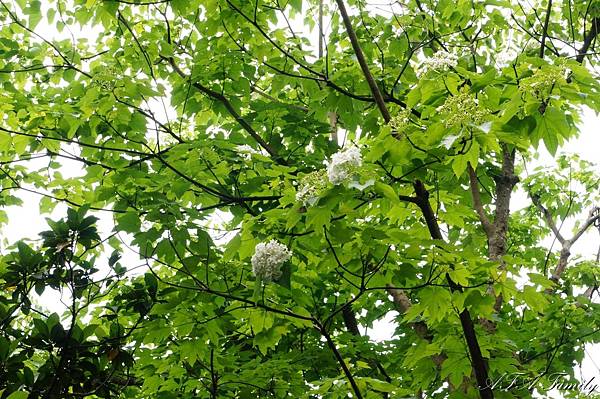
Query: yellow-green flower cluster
[401, 120]
[311, 187]
[462, 109]
[106, 79]
[543, 81]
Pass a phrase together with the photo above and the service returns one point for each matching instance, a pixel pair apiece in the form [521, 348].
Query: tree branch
[504, 186]
[594, 215]
[565, 252]
[377, 96]
[231, 110]
[548, 218]
[403, 304]
[340, 360]
[588, 39]
[478, 362]
[545, 29]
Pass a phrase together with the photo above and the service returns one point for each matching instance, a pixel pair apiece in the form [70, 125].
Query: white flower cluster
[343, 165]
[268, 258]
[311, 187]
[440, 61]
[246, 151]
[506, 57]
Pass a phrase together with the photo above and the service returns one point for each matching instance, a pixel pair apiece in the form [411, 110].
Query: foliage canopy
[208, 129]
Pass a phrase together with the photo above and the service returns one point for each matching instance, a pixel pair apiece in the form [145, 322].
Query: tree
[211, 133]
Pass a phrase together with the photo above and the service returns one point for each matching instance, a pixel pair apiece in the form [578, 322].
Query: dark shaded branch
[588, 39]
[340, 360]
[545, 29]
[533, 35]
[352, 326]
[231, 110]
[377, 96]
[350, 320]
[478, 363]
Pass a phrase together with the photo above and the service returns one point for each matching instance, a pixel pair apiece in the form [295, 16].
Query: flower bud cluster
[311, 187]
[462, 109]
[543, 81]
[106, 79]
[401, 120]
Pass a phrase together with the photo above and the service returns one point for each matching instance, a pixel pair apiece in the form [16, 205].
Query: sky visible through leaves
[25, 221]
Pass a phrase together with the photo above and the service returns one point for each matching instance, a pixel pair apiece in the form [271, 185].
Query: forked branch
[565, 252]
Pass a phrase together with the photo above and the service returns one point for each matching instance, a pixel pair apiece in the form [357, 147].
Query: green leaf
[260, 320]
[535, 300]
[268, 339]
[286, 276]
[542, 280]
[435, 302]
[386, 190]
[460, 275]
[318, 217]
[459, 164]
[33, 10]
[18, 395]
[129, 222]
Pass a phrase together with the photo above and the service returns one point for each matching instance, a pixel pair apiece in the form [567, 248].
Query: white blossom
[440, 61]
[247, 151]
[343, 165]
[268, 258]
